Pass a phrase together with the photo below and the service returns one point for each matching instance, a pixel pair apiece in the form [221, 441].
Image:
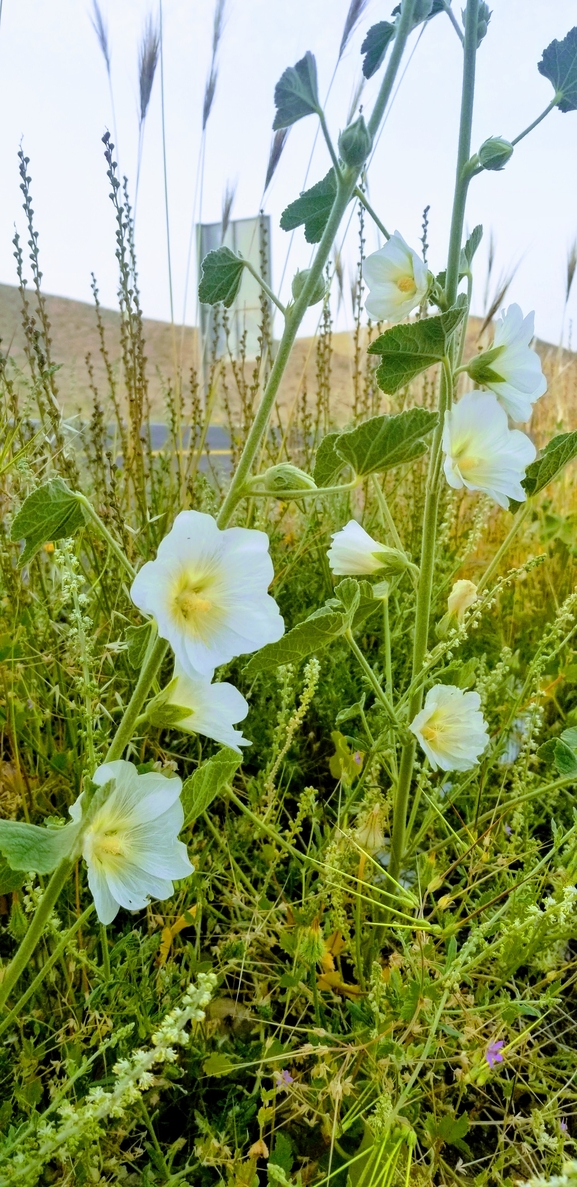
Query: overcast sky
[54, 96]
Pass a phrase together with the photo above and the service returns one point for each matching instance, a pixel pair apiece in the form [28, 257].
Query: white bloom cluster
[207, 590]
[83, 1123]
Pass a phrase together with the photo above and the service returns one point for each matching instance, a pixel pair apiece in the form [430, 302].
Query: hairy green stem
[365, 202]
[346, 183]
[131, 714]
[372, 679]
[59, 950]
[264, 286]
[522, 135]
[36, 927]
[112, 543]
[424, 591]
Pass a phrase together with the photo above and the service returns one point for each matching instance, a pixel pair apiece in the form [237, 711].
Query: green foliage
[296, 92]
[52, 512]
[407, 350]
[207, 782]
[221, 277]
[328, 461]
[557, 454]
[30, 847]
[9, 879]
[561, 751]
[312, 209]
[559, 65]
[137, 639]
[375, 46]
[384, 442]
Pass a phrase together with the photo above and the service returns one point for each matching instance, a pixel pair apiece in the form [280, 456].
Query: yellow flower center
[190, 604]
[407, 284]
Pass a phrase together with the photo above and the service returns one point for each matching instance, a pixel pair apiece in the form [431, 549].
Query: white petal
[214, 708]
[353, 551]
[482, 453]
[107, 907]
[133, 888]
[121, 772]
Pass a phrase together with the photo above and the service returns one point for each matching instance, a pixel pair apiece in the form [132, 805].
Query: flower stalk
[424, 592]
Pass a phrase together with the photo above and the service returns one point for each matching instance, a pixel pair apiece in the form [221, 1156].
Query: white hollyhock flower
[397, 278]
[131, 845]
[450, 728]
[482, 452]
[521, 380]
[354, 553]
[207, 590]
[462, 596]
[214, 708]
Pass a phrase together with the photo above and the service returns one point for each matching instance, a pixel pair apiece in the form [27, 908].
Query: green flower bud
[162, 713]
[495, 152]
[393, 562]
[355, 143]
[310, 944]
[480, 367]
[283, 477]
[483, 18]
[298, 283]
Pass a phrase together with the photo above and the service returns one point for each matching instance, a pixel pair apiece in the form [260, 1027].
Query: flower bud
[311, 944]
[355, 143]
[298, 283]
[283, 477]
[370, 831]
[495, 152]
[483, 18]
[462, 596]
[480, 368]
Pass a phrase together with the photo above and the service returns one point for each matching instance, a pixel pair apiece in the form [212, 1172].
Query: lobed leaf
[375, 46]
[32, 847]
[296, 93]
[204, 785]
[52, 512]
[559, 65]
[312, 209]
[387, 441]
[221, 277]
[316, 632]
[408, 349]
[10, 879]
[328, 461]
[557, 454]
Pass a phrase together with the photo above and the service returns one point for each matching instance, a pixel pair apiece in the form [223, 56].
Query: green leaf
[570, 737]
[204, 785]
[31, 847]
[221, 277]
[448, 1129]
[296, 93]
[10, 879]
[218, 1064]
[375, 45]
[559, 65]
[565, 758]
[328, 461]
[387, 441]
[312, 209]
[50, 513]
[316, 632]
[348, 593]
[136, 643]
[556, 455]
[408, 349]
[473, 243]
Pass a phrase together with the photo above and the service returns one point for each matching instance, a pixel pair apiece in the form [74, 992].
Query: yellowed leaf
[168, 933]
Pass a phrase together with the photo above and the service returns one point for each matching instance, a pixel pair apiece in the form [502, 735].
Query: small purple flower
[357, 758]
[493, 1053]
[508, 829]
[564, 1127]
[283, 1079]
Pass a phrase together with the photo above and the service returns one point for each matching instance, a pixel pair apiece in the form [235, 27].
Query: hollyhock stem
[423, 607]
[346, 183]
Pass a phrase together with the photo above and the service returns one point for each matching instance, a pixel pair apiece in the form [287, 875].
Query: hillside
[74, 336]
